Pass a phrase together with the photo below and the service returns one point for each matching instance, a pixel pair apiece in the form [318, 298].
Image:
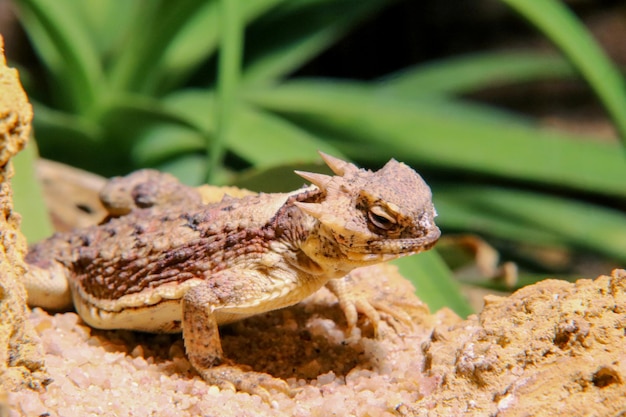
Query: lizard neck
[298, 237]
[322, 255]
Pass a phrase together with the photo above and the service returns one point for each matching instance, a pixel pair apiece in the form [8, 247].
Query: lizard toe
[233, 378]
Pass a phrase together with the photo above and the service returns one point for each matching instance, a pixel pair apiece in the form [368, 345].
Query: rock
[553, 348]
[21, 360]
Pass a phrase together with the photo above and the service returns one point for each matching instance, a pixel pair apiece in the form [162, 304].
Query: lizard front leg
[202, 340]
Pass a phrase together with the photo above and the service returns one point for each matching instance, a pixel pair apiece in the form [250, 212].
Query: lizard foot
[376, 312]
[237, 378]
[354, 301]
[394, 316]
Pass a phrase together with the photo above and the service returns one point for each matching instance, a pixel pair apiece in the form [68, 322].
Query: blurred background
[514, 111]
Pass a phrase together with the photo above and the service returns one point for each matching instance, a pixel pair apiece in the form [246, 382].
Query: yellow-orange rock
[553, 349]
[21, 361]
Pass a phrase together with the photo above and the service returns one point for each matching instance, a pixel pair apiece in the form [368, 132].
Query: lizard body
[187, 266]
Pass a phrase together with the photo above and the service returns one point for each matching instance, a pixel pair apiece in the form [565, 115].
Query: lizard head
[373, 216]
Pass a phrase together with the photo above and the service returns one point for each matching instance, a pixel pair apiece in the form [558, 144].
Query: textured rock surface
[21, 362]
[553, 348]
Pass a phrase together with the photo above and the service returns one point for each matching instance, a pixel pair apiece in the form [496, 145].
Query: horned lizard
[168, 263]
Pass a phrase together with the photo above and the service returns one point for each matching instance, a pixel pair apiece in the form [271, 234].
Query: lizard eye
[380, 218]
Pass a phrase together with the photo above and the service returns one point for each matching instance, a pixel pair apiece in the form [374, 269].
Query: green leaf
[163, 142]
[108, 22]
[433, 282]
[460, 214]
[197, 41]
[189, 48]
[267, 140]
[523, 280]
[195, 106]
[282, 41]
[228, 75]
[562, 27]
[64, 44]
[136, 68]
[277, 178]
[127, 116]
[445, 134]
[72, 139]
[260, 138]
[187, 35]
[532, 217]
[470, 73]
[189, 169]
[28, 196]
[73, 127]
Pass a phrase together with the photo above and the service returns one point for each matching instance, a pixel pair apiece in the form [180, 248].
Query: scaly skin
[174, 264]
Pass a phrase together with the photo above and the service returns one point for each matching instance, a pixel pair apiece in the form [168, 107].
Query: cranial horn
[338, 166]
[320, 180]
[312, 209]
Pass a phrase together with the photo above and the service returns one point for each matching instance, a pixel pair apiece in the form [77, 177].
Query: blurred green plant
[123, 94]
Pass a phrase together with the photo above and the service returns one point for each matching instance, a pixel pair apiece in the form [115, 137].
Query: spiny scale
[315, 210]
[338, 166]
[320, 180]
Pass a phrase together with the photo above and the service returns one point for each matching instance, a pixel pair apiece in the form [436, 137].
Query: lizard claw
[396, 317]
[376, 312]
[233, 378]
[353, 303]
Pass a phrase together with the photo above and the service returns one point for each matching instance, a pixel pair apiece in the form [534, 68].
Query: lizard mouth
[388, 249]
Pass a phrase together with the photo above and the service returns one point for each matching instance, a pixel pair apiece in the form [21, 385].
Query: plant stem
[229, 65]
